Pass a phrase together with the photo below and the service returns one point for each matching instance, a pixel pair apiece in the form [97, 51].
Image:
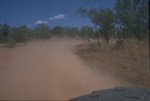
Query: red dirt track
[48, 70]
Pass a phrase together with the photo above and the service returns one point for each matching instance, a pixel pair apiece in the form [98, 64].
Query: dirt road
[48, 70]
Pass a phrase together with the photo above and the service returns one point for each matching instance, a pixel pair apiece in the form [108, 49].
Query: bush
[11, 44]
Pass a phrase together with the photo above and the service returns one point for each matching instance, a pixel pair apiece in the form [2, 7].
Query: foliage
[103, 18]
[21, 34]
[58, 31]
[4, 32]
[14, 35]
[72, 32]
[42, 31]
[133, 18]
[128, 19]
[86, 32]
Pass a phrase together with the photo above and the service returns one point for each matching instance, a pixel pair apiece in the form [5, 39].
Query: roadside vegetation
[129, 19]
[123, 41]
[129, 63]
[119, 39]
[10, 36]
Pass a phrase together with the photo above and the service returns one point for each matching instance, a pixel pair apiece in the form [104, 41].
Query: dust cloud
[49, 70]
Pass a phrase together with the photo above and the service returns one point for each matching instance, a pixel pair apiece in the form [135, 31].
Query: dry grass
[129, 63]
[135, 50]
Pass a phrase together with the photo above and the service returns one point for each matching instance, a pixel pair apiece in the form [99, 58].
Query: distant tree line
[10, 34]
[128, 19]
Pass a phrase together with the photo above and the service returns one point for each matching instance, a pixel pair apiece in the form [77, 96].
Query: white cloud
[56, 17]
[41, 22]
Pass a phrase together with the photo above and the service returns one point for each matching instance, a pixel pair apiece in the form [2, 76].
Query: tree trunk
[98, 40]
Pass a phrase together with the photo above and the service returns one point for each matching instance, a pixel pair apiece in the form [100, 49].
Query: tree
[21, 34]
[71, 32]
[42, 31]
[1, 37]
[133, 17]
[58, 31]
[103, 19]
[86, 32]
[5, 32]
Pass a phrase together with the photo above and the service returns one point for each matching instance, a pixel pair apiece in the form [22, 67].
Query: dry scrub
[129, 64]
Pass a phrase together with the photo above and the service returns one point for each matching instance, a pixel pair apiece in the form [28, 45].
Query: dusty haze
[48, 70]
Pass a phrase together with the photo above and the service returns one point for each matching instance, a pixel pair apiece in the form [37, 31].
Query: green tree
[5, 32]
[1, 37]
[87, 32]
[58, 31]
[72, 32]
[103, 19]
[133, 18]
[42, 31]
[21, 34]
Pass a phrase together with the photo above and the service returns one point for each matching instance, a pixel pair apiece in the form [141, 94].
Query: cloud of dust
[49, 70]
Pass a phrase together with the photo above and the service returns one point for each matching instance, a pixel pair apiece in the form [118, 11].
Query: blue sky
[50, 12]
